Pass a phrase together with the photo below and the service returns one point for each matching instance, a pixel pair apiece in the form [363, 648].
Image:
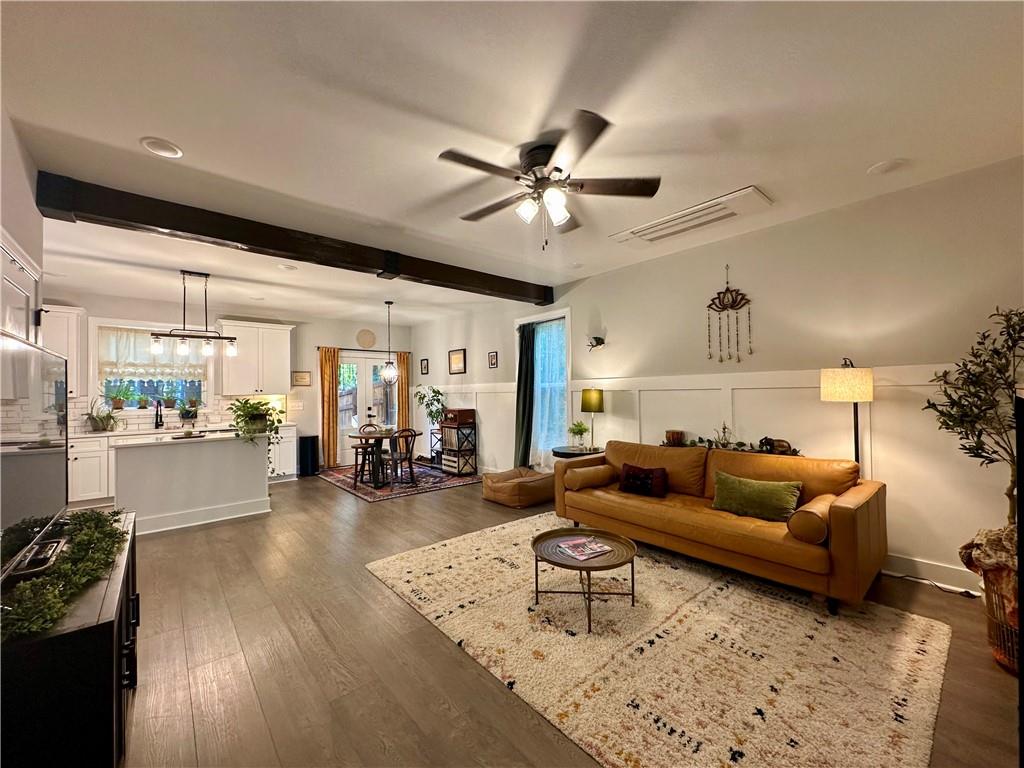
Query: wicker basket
[1003, 621]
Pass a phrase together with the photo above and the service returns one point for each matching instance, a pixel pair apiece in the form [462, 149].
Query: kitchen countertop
[226, 427]
[210, 438]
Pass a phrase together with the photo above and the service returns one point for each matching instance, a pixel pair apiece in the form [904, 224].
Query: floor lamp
[592, 401]
[849, 384]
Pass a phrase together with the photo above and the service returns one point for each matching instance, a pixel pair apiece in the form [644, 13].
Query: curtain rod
[361, 349]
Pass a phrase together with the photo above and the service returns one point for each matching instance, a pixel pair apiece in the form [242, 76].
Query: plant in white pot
[975, 403]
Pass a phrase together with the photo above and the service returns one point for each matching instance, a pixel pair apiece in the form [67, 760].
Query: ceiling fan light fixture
[559, 215]
[527, 210]
[554, 198]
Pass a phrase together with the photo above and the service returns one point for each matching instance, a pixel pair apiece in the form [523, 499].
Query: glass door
[361, 389]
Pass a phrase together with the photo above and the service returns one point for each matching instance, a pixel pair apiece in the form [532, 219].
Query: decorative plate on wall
[366, 338]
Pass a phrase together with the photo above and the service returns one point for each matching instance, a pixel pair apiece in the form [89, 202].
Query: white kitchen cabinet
[263, 363]
[284, 454]
[87, 475]
[61, 333]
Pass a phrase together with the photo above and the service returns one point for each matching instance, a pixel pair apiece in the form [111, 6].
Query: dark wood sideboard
[67, 694]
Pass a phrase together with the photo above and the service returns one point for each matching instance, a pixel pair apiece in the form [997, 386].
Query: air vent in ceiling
[739, 203]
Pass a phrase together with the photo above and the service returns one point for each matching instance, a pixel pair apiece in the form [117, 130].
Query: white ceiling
[328, 117]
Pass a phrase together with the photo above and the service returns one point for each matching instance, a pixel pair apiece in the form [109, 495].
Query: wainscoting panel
[937, 497]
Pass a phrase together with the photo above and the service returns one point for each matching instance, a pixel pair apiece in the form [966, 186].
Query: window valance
[124, 353]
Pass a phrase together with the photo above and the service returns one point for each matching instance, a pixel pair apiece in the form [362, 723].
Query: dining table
[377, 437]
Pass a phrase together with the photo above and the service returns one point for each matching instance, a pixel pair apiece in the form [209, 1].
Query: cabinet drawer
[79, 444]
[287, 433]
[136, 440]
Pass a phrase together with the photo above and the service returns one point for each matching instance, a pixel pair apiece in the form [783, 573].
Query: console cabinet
[67, 694]
[263, 363]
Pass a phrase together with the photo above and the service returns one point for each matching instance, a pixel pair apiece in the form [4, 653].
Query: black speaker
[309, 455]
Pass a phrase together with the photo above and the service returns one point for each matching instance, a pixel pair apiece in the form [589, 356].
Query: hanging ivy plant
[35, 605]
[252, 418]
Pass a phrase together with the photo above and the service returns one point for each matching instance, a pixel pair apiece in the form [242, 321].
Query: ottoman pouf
[520, 487]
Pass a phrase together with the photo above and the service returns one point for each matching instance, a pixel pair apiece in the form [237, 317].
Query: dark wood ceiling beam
[67, 199]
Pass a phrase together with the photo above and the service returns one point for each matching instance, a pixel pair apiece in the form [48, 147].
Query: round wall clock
[366, 338]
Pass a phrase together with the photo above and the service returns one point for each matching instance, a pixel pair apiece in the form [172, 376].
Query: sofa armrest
[561, 467]
[857, 540]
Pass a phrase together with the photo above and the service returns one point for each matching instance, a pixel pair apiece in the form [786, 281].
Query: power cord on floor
[961, 592]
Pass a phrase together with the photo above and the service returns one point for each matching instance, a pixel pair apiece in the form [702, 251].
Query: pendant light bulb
[554, 198]
[389, 373]
[527, 210]
[558, 215]
[207, 347]
[156, 345]
[182, 347]
[232, 349]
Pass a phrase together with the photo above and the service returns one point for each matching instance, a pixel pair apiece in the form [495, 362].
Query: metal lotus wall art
[730, 303]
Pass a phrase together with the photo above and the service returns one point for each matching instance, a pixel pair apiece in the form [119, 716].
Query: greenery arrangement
[121, 393]
[101, 420]
[257, 417]
[432, 400]
[35, 605]
[578, 429]
[975, 400]
[143, 401]
[723, 439]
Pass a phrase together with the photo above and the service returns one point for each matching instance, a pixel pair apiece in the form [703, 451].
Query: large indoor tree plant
[976, 403]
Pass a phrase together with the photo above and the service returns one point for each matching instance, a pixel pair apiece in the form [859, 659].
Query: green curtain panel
[524, 395]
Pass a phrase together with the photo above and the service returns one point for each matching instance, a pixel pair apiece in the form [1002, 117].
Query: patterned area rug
[711, 668]
[427, 479]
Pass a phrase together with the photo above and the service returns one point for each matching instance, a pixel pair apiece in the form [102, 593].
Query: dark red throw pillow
[644, 481]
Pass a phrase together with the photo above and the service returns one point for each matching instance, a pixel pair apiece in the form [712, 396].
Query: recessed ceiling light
[161, 147]
[256, 298]
[887, 166]
[287, 267]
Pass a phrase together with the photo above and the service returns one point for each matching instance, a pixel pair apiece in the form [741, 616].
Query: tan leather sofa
[840, 519]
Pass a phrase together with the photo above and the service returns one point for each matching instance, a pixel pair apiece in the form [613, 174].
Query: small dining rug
[711, 668]
[427, 479]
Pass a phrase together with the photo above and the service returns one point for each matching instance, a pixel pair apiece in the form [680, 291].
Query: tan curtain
[330, 357]
[402, 391]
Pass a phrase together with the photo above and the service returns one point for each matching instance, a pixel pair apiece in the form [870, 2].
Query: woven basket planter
[1003, 618]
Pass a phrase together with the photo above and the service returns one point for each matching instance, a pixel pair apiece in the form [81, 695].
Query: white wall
[303, 402]
[18, 213]
[902, 282]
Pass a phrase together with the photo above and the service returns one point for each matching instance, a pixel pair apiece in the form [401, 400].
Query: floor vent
[739, 203]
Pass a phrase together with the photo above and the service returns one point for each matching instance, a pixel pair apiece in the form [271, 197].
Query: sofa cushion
[818, 476]
[766, 499]
[578, 478]
[691, 517]
[685, 466]
[520, 487]
[810, 522]
[644, 481]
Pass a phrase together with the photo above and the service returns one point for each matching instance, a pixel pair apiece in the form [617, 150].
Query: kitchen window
[123, 356]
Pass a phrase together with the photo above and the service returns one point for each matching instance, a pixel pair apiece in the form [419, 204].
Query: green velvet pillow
[765, 499]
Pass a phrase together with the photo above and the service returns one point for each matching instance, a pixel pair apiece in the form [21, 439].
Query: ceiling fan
[545, 170]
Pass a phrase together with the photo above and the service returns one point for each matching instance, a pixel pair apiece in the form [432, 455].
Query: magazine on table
[583, 548]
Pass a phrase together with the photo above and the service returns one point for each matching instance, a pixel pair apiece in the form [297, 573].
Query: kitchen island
[176, 483]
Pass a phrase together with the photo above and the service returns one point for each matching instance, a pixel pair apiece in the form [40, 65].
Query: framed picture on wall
[457, 361]
[492, 359]
[424, 366]
[302, 378]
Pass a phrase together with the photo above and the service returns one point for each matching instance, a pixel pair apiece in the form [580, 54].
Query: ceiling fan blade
[571, 225]
[487, 210]
[584, 131]
[638, 187]
[454, 156]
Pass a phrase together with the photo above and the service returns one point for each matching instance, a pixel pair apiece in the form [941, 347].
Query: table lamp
[592, 401]
[849, 384]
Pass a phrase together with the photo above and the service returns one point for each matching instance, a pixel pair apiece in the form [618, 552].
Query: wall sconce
[595, 342]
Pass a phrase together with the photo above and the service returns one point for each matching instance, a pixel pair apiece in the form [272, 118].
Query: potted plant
[578, 430]
[119, 394]
[187, 413]
[143, 401]
[169, 402]
[432, 400]
[975, 403]
[101, 420]
[252, 418]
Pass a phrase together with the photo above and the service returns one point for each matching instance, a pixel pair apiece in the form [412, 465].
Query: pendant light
[389, 374]
[183, 334]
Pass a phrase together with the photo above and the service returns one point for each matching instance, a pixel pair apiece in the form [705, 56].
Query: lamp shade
[592, 401]
[847, 385]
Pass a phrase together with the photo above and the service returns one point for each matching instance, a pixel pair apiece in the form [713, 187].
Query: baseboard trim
[941, 573]
[200, 516]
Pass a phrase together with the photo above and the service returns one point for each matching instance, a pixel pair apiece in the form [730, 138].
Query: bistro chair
[403, 443]
[364, 451]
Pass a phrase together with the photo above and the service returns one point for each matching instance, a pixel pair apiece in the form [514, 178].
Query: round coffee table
[545, 547]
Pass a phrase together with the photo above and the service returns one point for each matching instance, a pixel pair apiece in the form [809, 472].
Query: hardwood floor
[266, 642]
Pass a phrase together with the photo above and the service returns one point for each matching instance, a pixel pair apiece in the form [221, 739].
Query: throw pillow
[644, 481]
[764, 499]
[810, 522]
[578, 478]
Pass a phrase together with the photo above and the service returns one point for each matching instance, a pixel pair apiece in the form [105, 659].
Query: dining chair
[403, 443]
[364, 451]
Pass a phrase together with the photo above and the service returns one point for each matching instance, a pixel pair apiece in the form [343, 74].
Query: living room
[629, 274]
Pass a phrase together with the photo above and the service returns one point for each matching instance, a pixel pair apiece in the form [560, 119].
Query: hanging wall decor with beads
[728, 305]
